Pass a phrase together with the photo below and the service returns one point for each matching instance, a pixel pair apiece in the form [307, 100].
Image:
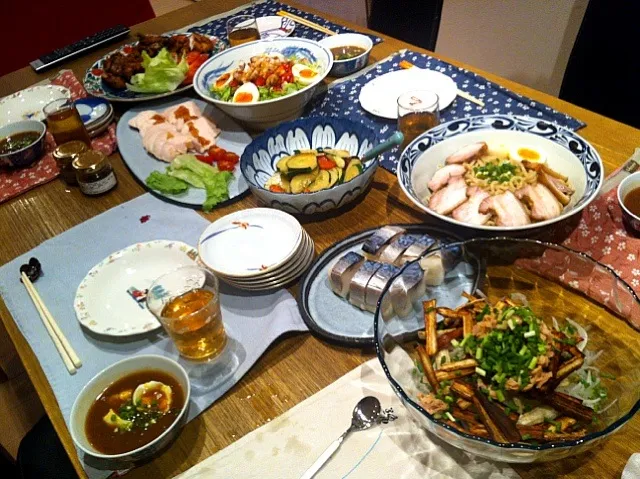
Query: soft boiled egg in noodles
[222, 81]
[529, 153]
[247, 93]
[153, 394]
[303, 74]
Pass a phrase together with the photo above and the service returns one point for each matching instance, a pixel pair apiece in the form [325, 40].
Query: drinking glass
[64, 122]
[186, 301]
[418, 112]
[242, 29]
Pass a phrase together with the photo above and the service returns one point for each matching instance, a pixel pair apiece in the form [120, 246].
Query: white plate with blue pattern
[275, 26]
[567, 153]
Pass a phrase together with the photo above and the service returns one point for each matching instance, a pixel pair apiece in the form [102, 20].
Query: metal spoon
[365, 415]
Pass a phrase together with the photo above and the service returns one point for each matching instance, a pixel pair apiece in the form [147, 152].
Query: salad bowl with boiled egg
[265, 82]
[500, 173]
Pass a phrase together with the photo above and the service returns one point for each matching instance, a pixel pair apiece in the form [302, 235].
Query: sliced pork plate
[541, 202]
[469, 211]
[447, 199]
[508, 210]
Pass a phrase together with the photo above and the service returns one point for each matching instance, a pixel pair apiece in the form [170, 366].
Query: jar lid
[90, 160]
[69, 149]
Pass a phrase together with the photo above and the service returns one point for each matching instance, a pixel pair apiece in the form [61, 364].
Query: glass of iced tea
[64, 122]
[186, 301]
[242, 29]
[418, 112]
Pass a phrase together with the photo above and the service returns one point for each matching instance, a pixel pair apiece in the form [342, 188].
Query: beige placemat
[288, 445]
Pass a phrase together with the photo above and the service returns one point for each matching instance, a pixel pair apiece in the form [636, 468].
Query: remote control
[82, 46]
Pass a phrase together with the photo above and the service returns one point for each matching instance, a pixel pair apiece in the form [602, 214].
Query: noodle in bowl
[563, 152]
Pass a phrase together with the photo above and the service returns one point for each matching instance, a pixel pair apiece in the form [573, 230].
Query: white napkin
[632, 469]
[288, 445]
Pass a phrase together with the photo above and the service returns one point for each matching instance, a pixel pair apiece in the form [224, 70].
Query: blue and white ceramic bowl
[566, 151]
[264, 114]
[99, 383]
[29, 154]
[347, 67]
[258, 162]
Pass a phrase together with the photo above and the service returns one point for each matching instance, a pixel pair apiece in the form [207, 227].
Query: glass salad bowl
[559, 285]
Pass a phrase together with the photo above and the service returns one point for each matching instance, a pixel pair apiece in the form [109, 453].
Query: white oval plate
[28, 104]
[250, 242]
[106, 302]
[275, 26]
[380, 95]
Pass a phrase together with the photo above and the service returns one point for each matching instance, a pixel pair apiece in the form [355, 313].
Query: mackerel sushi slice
[406, 289]
[359, 282]
[380, 238]
[392, 253]
[422, 244]
[342, 272]
[375, 287]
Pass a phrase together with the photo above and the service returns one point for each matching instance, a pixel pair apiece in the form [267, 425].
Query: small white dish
[28, 104]
[250, 243]
[275, 26]
[93, 110]
[380, 96]
[110, 300]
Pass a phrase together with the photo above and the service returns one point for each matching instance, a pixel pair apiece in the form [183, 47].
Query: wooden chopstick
[69, 356]
[462, 94]
[305, 22]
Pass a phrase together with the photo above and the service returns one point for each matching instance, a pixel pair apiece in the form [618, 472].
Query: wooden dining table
[297, 365]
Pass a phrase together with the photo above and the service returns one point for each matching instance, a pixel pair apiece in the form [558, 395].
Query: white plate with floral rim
[111, 298]
[27, 104]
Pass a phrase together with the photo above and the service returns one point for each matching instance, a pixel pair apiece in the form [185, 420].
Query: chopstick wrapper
[253, 321]
[286, 446]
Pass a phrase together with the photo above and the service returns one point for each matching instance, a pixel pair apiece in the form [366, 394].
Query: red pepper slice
[325, 163]
[276, 189]
[260, 81]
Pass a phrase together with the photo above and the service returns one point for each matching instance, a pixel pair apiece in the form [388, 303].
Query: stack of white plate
[256, 249]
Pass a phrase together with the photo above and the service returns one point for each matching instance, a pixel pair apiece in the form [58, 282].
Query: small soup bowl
[99, 383]
[350, 65]
[627, 185]
[29, 154]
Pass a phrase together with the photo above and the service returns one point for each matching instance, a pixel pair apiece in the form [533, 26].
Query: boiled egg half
[247, 93]
[222, 81]
[529, 153]
[303, 74]
[153, 394]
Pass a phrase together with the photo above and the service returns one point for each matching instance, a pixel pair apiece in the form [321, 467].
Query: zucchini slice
[340, 153]
[354, 168]
[322, 181]
[301, 182]
[281, 165]
[339, 161]
[302, 163]
[336, 175]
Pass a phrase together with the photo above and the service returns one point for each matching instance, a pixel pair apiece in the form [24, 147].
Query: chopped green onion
[512, 326]
[526, 437]
[449, 399]
[481, 372]
[451, 418]
[533, 362]
[455, 343]
[529, 334]
[500, 395]
[479, 354]
[522, 351]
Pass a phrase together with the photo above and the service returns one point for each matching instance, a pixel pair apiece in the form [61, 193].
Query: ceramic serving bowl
[267, 113]
[258, 162]
[100, 382]
[347, 67]
[556, 282]
[29, 154]
[630, 183]
[567, 153]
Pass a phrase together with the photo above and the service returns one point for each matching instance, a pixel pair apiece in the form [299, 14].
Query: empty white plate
[275, 26]
[28, 104]
[380, 95]
[250, 243]
[111, 298]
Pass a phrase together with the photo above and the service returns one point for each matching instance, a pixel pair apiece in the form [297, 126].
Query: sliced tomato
[325, 163]
[260, 81]
[127, 49]
[205, 159]
[224, 165]
[97, 71]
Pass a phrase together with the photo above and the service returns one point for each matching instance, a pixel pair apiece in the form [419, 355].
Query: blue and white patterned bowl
[264, 114]
[566, 151]
[29, 154]
[258, 162]
[347, 67]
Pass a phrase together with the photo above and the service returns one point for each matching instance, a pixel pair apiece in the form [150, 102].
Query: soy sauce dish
[350, 52]
[131, 411]
[21, 143]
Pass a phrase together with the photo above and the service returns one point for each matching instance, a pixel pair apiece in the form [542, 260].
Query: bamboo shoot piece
[427, 367]
[431, 336]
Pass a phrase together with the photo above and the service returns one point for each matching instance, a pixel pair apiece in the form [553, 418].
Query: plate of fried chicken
[111, 76]
[500, 172]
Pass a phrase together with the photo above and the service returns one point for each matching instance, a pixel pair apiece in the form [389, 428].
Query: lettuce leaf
[165, 183]
[216, 183]
[161, 73]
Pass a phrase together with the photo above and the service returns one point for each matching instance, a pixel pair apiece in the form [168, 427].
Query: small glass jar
[94, 173]
[64, 156]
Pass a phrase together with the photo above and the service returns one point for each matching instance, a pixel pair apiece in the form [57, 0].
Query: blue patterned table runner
[218, 26]
[342, 99]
